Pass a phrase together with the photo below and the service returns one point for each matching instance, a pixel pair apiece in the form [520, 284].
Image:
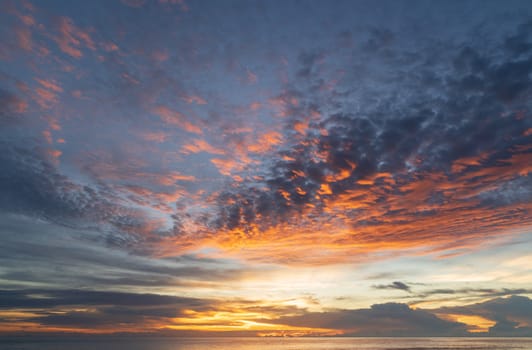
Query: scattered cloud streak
[394, 285]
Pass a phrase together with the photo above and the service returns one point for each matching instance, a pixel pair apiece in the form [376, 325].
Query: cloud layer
[155, 146]
[88, 311]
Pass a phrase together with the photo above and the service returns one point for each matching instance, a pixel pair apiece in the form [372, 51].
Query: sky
[266, 168]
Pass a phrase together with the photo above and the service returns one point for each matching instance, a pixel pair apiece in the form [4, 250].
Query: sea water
[151, 343]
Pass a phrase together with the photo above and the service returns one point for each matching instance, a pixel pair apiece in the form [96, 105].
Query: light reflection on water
[275, 343]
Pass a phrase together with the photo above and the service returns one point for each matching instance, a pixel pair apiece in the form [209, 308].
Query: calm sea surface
[275, 343]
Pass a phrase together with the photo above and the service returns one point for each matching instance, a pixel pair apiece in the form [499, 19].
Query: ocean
[272, 343]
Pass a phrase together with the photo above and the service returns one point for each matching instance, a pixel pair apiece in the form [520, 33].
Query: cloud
[396, 168]
[394, 285]
[32, 186]
[512, 315]
[112, 312]
[120, 311]
[40, 254]
[175, 118]
[391, 319]
[12, 107]
[72, 39]
[390, 137]
[52, 298]
[482, 292]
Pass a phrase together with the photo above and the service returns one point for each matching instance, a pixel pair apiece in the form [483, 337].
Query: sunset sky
[182, 167]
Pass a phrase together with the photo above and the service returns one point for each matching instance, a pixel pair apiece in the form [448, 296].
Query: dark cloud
[391, 319]
[87, 309]
[51, 298]
[394, 285]
[11, 108]
[482, 292]
[32, 185]
[103, 308]
[95, 309]
[513, 315]
[45, 254]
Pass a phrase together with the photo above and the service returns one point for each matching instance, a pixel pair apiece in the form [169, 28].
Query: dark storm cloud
[394, 285]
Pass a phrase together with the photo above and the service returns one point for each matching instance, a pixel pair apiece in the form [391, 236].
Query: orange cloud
[476, 324]
[265, 142]
[175, 118]
[463, 163]
[426, 213]
[227, 166]
[200, 145]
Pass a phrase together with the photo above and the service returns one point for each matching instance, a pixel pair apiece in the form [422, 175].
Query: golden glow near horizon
[478, 324]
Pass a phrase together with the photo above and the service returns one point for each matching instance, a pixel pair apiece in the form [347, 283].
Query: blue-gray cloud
[513, 315]
[394, 285]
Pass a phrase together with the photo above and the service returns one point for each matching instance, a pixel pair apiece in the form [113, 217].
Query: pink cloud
[154, 136]
[251, 77]
[110, 47]
[15, 104]
[255, 106]
[194, 99]
[24, 38]
[27, 20]
[72, 39]
[47, 136]
[45, 98]
[160, 56]
[50, 84]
